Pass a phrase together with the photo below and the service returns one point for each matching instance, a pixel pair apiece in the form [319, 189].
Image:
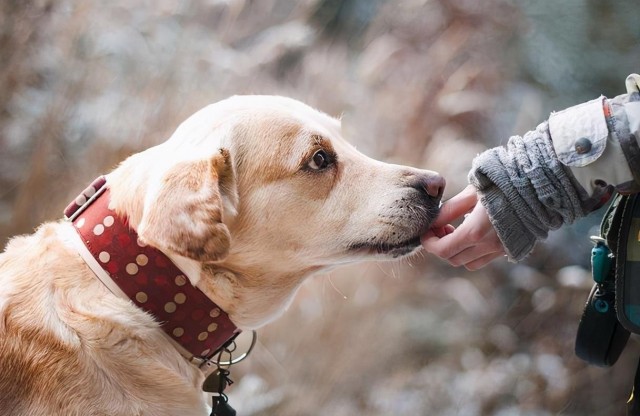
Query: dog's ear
[186, 213]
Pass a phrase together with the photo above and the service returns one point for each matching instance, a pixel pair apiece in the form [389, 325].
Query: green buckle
[601, 259]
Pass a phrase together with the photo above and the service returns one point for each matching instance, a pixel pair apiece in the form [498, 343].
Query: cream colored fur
[234, 199]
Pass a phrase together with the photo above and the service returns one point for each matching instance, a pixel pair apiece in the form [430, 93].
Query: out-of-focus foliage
[424, 82]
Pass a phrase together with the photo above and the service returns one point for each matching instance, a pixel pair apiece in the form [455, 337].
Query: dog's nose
[433, 185]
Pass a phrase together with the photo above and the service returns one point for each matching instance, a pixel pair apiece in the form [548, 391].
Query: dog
[248, 198]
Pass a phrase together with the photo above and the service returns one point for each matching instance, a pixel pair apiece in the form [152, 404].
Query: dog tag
[221, 407]
[215, 382]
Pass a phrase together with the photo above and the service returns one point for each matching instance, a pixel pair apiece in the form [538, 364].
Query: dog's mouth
[398, 246]
[394, 250]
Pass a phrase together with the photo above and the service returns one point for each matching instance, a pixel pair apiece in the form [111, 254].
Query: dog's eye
[320, 160]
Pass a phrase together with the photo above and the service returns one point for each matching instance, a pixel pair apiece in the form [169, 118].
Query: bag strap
[610, 225]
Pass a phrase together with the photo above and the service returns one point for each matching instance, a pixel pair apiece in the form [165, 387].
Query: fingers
[457, 206]
[483, 261]
[460, 250]
[474, 253]
[473, 244]
[448, 229]
[446, 247]
[471, 232]
[441, 231]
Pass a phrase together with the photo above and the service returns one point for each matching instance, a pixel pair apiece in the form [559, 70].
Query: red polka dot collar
[147, 277]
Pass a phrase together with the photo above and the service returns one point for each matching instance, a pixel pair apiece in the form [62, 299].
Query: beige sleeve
[585, 138]
[611, 168]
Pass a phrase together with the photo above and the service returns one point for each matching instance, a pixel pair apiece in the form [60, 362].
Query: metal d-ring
[231, 360]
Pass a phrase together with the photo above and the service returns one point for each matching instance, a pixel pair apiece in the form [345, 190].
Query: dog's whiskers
[336, 289]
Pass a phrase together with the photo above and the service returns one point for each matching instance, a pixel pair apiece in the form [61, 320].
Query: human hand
[474, 244]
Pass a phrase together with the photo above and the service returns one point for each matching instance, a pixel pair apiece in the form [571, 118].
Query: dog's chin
[386, 249]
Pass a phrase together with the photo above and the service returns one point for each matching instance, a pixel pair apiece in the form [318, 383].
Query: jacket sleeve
[561, 171]
[597, 141]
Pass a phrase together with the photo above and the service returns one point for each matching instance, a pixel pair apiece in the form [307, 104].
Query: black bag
[601, 337]
[628, 265]
[612, 310]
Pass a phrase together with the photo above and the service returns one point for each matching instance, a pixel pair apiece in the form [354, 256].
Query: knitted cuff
[515, 237]
[526, 191]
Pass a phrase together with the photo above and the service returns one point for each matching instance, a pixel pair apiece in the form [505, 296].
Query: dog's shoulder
[69, 346]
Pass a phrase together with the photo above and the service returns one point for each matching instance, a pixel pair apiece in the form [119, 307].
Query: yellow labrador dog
[213, 231]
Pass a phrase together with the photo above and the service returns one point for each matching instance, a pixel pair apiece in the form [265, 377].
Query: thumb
[457, 206]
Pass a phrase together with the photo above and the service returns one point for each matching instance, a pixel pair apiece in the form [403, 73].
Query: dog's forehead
[246, 107]
[260, 117]
[282, 107]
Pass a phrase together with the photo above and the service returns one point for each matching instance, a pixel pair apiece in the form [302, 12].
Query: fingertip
[456, 207]
[443, 231]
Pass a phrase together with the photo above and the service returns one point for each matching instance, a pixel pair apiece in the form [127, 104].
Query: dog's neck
[246, 294]
[148, 277]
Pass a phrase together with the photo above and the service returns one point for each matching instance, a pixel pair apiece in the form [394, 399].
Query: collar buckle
[86, 198]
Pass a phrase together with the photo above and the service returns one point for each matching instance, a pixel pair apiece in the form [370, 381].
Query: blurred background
[428, 83]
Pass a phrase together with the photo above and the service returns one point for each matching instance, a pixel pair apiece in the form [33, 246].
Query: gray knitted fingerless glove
[526, 190]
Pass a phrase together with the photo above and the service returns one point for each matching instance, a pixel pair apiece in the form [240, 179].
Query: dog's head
[258, 192]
